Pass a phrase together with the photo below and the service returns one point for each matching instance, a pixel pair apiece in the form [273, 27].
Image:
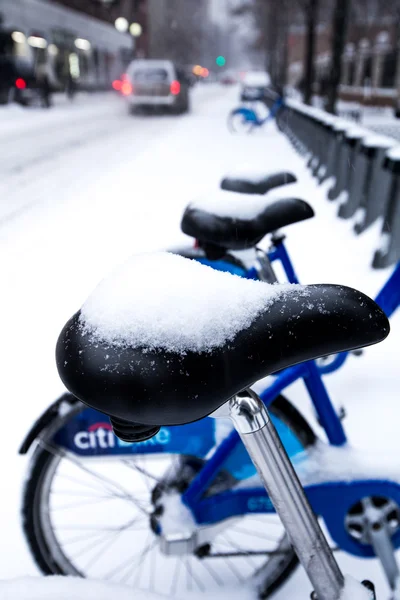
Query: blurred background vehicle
[254, 86]
[51, 47]
[18, 82]
[228, 78]
[157, 83]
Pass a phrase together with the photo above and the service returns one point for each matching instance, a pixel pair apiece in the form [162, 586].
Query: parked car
[18, 81]
[254, 86]
[158, 83]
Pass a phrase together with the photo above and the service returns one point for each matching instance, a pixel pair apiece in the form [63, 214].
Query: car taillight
[126, 88]
[117, 84]
[175, 88]
[20, 83]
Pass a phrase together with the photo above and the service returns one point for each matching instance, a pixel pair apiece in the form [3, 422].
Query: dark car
[18, 80]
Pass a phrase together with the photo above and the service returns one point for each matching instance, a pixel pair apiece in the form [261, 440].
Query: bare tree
[339, 30]
[310, 8]
[271, 20]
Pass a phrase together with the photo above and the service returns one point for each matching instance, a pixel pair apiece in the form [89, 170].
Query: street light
[82, 44]
[121, 24]
[37, 41]
[135, 29]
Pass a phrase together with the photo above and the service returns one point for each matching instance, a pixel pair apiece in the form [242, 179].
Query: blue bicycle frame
[250, 115]
[86, 434]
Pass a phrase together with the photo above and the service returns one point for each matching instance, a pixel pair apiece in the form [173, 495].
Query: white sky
[218, 10]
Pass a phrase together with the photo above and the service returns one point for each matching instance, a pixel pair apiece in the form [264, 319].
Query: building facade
[135, 11]
[67, 46]
[370, 62]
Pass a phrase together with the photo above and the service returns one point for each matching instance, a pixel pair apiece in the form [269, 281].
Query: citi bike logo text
[100, 435]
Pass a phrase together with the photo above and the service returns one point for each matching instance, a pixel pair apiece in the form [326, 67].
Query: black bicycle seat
[236, 222]
[256, 182]
[166, 341]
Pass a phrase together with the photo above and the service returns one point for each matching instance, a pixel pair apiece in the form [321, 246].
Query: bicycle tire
[233, 127]
[37, 537]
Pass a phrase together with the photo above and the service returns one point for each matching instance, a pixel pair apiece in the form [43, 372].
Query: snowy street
[82, 187]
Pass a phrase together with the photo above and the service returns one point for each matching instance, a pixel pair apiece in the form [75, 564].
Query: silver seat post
[265, 269]
[258, 434]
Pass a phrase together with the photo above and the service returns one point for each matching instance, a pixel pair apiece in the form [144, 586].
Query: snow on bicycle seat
[239, 221]
[165, 340]
[254, 180]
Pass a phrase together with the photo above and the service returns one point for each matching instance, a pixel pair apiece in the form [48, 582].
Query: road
[86, 138]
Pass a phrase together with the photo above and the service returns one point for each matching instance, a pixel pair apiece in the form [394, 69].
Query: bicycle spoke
[77, 504]
[124, 494]
[109, 531]
[93, 527]
[82, 482]
[142, 559]
[145, 476]
[76, 493]
[247, 557]
[175, 577]
[114, 571]
[107, 544]
[211, 572]
[152, 569]
[234, 570]
[255, 534]
[190, 571]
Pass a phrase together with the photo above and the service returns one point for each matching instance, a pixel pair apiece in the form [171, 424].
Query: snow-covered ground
[381, 120]
[82, 187]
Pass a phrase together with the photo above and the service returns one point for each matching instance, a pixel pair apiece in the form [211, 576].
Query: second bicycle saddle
[256, 181]
[236, 221]
[165, 340]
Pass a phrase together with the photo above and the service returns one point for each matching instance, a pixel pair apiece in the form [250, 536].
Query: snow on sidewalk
[71, 588]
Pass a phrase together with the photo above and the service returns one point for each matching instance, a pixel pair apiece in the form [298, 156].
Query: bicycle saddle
[253, 182]
[235, 221]
[165, 340]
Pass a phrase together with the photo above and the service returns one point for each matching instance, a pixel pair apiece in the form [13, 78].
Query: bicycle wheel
[238, 122]
[98, 518]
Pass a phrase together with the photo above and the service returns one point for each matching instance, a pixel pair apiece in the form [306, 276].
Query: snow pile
[249, 172]
[323, 463]
[353, 590]
[394, 153]
[176, 517]
[74, 588]
[378, 141]
[355, 133]
[257, 79]
[233, 205]
[163, 301]
[68, 588]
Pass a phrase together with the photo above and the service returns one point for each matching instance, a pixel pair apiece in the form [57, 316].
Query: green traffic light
[220, 60]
